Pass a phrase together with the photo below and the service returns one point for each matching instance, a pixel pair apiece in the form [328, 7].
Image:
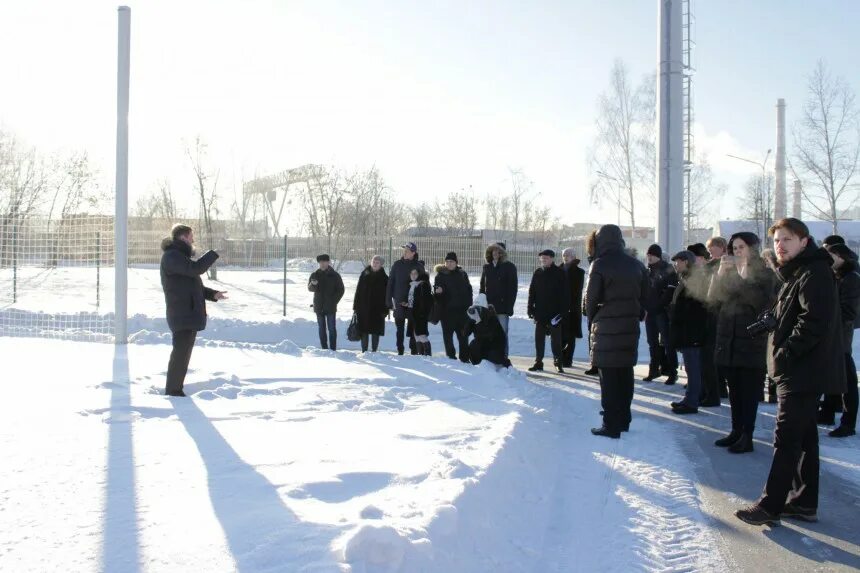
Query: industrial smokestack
[780, 199]
[796, 210]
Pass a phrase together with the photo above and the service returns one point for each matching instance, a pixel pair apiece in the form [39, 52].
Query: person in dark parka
[369, 304]
[688, 324]
[662, 281]
[805, 358]
[741, 290]
[500, 283]
[327, 286]
[398, 289]
[453, 293]
[185, 297]
[848, 278]
[714, 386]
[548, 302]
[572, 323]
[489, 341]
[614, 303]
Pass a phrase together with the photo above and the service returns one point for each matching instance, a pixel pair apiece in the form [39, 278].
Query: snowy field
[286, 458]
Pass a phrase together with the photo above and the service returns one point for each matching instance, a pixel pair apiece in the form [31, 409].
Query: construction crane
[269, 186]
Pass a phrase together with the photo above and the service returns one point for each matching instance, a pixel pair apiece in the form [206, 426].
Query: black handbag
[352, 333]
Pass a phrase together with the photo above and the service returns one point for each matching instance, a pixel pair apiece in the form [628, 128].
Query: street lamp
[765, 214]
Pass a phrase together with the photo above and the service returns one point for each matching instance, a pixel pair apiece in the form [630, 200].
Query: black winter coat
[848, 279]
[184, 292]
[614, 301]
[805, 350]
[662, 281]
[549, 294]
[688, 317]
[369, 302]
[575, 282]
[422, 306]
[327, 292]
[739, 302]
[499, 282]
[398, 280]
[489, 342]
[456, 296]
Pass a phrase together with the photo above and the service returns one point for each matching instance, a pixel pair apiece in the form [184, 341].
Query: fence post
[390, 252]
[14, 261]
[285, 273]
[98, 267]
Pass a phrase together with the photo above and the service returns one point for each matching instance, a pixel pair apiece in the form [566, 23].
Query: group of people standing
[740, 317]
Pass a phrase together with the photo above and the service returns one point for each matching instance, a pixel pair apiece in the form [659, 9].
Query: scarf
[411, 298]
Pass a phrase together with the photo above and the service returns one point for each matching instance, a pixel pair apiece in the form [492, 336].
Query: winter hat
[655, 250]
[699, 250]
[834, 240]
[321, 258]
[481, 300]
[452, 256]
[548, 253]
[841, 250]
[687, 255]
[501, 244]
[411, 246]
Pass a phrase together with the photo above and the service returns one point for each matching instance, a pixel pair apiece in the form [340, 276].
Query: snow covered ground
[288, 458]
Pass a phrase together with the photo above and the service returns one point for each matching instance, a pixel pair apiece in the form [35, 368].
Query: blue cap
[411, 246]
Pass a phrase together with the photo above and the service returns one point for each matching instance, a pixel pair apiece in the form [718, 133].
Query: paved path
[726, 481]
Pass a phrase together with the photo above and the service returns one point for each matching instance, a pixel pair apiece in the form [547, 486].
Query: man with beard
[805, 360]
[614, 303]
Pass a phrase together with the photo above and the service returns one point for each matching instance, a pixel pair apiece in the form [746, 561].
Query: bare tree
[701, 193]
[622, 158]
[424, 217]
[158, 203]
[206, 190]
[326, 201]
[24, 181]
[827, 143]
[758, 202]
[519, 200]
[458, 213]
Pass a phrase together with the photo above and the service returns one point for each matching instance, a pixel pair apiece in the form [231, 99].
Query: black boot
[413, 346]
[558, 366]
[671, 379]
[743, 445]
[653, 370]
[733, 437]
[592, 371]
[606, 432]
[538, 367]
[428, 350]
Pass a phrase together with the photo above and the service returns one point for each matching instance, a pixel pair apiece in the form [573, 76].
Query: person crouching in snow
[490, 340]
[418, 305]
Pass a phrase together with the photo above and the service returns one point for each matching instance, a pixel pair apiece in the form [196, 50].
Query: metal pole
[285, 273]
[121, 214]
[14, 260]
[98, 267]
[390, 252]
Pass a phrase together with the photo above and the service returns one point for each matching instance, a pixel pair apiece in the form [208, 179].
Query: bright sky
[439, 95]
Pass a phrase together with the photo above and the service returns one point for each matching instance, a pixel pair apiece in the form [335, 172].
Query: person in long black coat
[572, 323]
[369, 304]
[614, 303]
[548, 302]
[185, 298]
[741, 291]
[662, 282]
[805, 358]
[489, 341]
[500, 284]
[398, 289]
[419, 306]
[327, 286]
[688, 323]
[453, 293]
[848, 277]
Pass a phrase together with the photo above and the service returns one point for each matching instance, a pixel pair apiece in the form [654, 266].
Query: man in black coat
[500, 283]
[186, 298]
[614, 303]
[398, 290]
[805, 359]
[848, 278]
[661, 286]
[572, 323]
[327, 286]
[548, 302]
[453, 293]
[688, 325]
